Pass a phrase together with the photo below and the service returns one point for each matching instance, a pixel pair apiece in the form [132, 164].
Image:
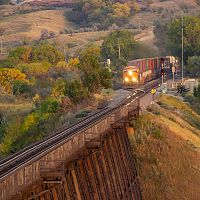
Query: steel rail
[37, 150]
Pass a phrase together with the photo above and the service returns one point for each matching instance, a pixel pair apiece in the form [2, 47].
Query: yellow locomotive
[143, 70]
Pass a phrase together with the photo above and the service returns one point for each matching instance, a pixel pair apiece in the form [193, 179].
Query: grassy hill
[31, 25]
[168, 150]
[25, 23]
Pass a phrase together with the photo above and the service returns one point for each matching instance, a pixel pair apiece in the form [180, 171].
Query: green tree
[75, 91]
[18, 55]
[49, 105]
[120, 40]
[35, 69]
[90, 67]
[47, 52]
[21, 87]
[94, 74]
[191, 36]
[193, 66]
[58, 89]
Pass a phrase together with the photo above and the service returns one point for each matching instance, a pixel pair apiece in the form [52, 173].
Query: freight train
[143, 70]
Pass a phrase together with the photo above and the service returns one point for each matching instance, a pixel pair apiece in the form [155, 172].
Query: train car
[142, 70]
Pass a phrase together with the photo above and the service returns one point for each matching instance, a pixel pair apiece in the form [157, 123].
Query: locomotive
[143, 70]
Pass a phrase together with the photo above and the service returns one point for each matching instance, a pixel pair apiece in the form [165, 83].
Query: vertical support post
[1, 46]
[182, 46]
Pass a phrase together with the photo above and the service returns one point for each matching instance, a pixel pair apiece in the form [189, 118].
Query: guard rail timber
[22, 169]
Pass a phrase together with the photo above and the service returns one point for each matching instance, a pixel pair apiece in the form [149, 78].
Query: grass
[168, 166]
[30, 25]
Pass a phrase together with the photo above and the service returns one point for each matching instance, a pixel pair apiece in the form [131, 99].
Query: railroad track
[39, 149]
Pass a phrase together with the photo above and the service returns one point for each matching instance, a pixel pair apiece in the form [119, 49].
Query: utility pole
[182, 46]
[119, 50]
[139, 23]
[1, 34]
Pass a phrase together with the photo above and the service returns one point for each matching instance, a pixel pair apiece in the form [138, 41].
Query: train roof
[148, 58]
[131, 62]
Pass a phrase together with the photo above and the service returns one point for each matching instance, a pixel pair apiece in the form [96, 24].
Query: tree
[118, 46]
[47, 52]
[94, 76]
[90, 66]
[135, 6]
[191, 36]
[121, 9]
[75, 91]
[193, 66]
[8, 76]
[21, 87]
[59, 89]
[18, 55]
[35, 69]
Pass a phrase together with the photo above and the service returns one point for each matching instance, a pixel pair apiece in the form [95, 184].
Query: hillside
[31, 25]
[25, 22]
[168, 150]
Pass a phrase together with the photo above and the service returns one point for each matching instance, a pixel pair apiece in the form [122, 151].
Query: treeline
[40, 74]
[103, 13]
[170, 35]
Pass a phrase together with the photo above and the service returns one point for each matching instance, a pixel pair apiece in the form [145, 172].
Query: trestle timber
[104, 170]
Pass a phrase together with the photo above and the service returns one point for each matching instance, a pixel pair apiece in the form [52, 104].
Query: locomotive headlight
[126, 79]
[134, 79]
[130, 73]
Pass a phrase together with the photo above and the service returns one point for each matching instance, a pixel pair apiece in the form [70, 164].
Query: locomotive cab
[130, 75]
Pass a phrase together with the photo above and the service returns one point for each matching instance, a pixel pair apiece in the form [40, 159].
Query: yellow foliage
[26, 54]
[37, 69]
[36, 98]
[29, 121]
[7, 77]
[73, 62]
[58, 89]
[62, 65]
[121, 9]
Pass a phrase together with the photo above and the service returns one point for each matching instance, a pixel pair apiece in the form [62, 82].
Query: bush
[75, 91]
[49, 106]
[21, 88]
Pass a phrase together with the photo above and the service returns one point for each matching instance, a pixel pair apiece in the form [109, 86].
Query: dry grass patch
[169, 165]
[30, 25]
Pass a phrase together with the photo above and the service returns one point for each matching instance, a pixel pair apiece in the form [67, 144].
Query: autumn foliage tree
[8, 76]
[121, 9]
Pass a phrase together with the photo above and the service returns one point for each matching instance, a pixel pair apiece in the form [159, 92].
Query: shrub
[75, 91]
[21, 88]
[49, 106]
